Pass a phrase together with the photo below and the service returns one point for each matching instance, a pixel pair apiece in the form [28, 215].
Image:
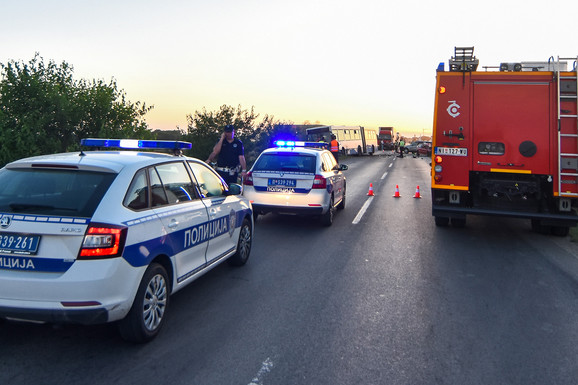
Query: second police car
[300, 178]
[101, 236]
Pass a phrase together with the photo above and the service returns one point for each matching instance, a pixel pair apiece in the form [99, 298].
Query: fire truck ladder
[567, 128]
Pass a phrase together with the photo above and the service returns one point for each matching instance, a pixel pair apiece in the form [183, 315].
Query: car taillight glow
[319, 182]
[438, 159]
[248, 180]
[103, 241]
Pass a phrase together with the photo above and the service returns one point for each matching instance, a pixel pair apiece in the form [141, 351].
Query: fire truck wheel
[459, 222]
[539, 228]
[560, 231]
[442, 221]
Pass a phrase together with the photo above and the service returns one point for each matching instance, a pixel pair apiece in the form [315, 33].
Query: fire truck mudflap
[506, 143]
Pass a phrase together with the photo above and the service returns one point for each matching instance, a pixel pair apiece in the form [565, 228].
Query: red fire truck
[505, 142]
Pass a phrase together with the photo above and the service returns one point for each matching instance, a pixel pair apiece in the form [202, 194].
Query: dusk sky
[358, 62]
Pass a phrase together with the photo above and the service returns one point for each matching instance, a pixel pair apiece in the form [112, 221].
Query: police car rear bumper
[84, 316]
[90, 292]
[305, 211]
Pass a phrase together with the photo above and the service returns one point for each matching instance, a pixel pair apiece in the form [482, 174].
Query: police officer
[230, 156]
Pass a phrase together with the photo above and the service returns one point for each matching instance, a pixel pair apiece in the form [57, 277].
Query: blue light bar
[292, 143]
[135, 143]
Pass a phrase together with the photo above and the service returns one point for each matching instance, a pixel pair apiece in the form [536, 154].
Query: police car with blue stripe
[297, 178]
[100, 236]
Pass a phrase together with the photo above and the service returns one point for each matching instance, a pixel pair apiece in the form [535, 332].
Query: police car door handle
[174, 223]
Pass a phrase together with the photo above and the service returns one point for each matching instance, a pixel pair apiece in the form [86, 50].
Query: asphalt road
[380, 298]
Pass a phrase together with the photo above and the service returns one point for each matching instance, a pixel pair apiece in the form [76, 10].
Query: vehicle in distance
[100, 236]
[412, 147]
[424, 149]
[298, 178]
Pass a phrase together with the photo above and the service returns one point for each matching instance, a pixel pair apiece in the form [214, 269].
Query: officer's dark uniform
[228, 165]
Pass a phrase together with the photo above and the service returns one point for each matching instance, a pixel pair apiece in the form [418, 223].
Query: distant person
[230, 156]
[334, 148]
[401, 147]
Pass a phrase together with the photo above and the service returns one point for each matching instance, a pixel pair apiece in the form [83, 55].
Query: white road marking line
[265, 368]
[362, 211]
[365, 206]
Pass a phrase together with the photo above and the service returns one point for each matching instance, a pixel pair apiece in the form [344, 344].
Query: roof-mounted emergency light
[292, 143]
[136, 144]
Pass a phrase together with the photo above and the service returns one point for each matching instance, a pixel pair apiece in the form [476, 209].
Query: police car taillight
[103, 241]
[319, 182]
[248, 180]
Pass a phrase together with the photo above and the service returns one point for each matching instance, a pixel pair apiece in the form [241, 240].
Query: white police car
[100, 236]
[300, 178]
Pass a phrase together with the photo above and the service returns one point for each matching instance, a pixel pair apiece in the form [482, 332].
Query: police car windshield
[52, 192]
[286, 162]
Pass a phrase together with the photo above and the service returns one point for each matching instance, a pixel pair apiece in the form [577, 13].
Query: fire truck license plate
[456, 151]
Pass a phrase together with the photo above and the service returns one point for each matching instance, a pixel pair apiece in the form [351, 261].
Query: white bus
[353, 140]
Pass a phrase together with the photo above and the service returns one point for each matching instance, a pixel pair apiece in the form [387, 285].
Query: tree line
[44, 110]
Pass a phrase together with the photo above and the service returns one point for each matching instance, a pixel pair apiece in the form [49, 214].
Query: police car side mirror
[235, 189]
[343, 167]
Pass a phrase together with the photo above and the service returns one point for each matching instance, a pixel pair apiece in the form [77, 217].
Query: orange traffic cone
[370, 192]
[396, 195]
[417, 195]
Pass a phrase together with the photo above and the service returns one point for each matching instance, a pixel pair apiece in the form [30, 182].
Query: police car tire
[327, 218]
[133, 328]
[243, 245]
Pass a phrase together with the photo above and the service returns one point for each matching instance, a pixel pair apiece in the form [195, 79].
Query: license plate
[23, 244]
[282, 182]
[455, 151]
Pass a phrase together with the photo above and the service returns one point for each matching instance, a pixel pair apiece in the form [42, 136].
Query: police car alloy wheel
[243, 245]
[147, 314]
